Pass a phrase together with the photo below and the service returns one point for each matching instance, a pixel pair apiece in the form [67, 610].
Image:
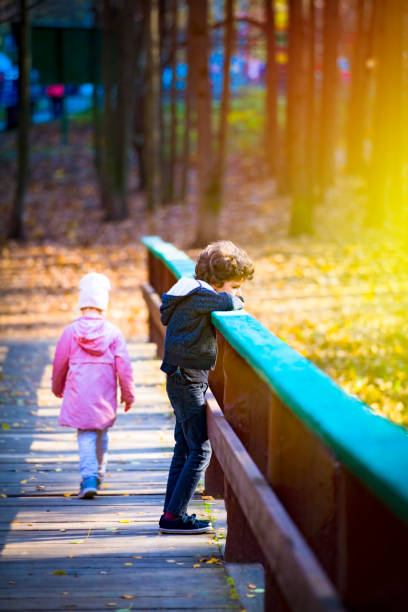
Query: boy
[189, 353]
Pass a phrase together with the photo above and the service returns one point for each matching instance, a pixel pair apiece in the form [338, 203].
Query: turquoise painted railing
[374, 449]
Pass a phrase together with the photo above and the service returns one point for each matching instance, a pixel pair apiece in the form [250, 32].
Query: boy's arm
[61, 363]
[211, 301]
[124, 370]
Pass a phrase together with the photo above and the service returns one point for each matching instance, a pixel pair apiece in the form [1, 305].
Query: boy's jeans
[93, 452]
[192, 451]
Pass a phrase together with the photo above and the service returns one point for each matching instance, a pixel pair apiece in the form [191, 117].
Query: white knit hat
[94, 291]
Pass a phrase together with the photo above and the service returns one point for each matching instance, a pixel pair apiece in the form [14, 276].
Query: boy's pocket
[187, 401]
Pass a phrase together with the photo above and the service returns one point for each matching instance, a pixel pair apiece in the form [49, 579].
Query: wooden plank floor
[61, 553]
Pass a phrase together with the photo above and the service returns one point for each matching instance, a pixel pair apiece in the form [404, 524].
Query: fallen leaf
[213, 560]
[3, 495]
[128, 564]
[59, 573]
[136, 557]
[67, 494]
[40, 488]
[251, 586]
[5, 426]
[127, 596]
[196, 565]
[77, 541]
[124, 521]
[209, 497]
[23, 481]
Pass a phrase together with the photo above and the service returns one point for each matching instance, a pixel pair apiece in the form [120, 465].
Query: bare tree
[357, 105]
[152, 105]
[173, 101]
[271, 97]
[328, 115]
[16, 228]
[187, 122]
[119, 60]
[386, 163]
[300, 179]
[199, 45]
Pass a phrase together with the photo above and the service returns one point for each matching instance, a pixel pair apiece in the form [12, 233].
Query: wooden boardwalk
[61, 553]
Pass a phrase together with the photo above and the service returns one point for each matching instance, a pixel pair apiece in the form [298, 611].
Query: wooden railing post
[373, 545]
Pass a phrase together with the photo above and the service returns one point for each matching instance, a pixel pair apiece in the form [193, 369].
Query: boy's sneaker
[88, 488]
[185, 524]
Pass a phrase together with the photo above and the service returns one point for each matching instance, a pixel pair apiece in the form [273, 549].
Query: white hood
[186, 285]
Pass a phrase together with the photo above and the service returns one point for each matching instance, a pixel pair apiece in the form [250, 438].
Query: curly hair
[223, 261]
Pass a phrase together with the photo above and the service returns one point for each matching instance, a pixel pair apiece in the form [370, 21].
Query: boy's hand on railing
[127, 407]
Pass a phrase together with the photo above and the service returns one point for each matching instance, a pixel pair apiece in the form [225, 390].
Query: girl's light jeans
[93, 452]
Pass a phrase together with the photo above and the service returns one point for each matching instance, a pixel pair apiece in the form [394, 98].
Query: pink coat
[90, 356]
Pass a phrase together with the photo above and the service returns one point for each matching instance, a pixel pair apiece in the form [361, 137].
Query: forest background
[303, 163]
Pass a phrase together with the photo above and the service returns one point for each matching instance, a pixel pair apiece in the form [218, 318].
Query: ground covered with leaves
[340, 298]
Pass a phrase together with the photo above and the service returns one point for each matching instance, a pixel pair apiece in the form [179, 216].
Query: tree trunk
[173, 102]
[215, 188]
[128, 50]
[386, 159]
[357, 106]
[16, 228]
[152, 107]
[311, 119]
[398, 136]
[139, 123]
[97, 140]
[301, 211]
[207, 226]
[271, 95]
[139, 133]
[226, 90]
[120, 51]
[185, 166]
[291, 88]
[108, 154]
[164, 119]
[328, 108]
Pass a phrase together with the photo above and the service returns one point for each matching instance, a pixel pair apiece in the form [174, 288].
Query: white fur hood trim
[186, 285]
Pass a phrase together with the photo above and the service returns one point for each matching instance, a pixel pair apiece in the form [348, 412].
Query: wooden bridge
[61, 553]
[315, 487]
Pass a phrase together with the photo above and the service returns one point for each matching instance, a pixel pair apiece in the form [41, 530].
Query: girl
[89, 357]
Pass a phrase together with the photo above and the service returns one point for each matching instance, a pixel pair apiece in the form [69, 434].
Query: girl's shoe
[88, 488]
